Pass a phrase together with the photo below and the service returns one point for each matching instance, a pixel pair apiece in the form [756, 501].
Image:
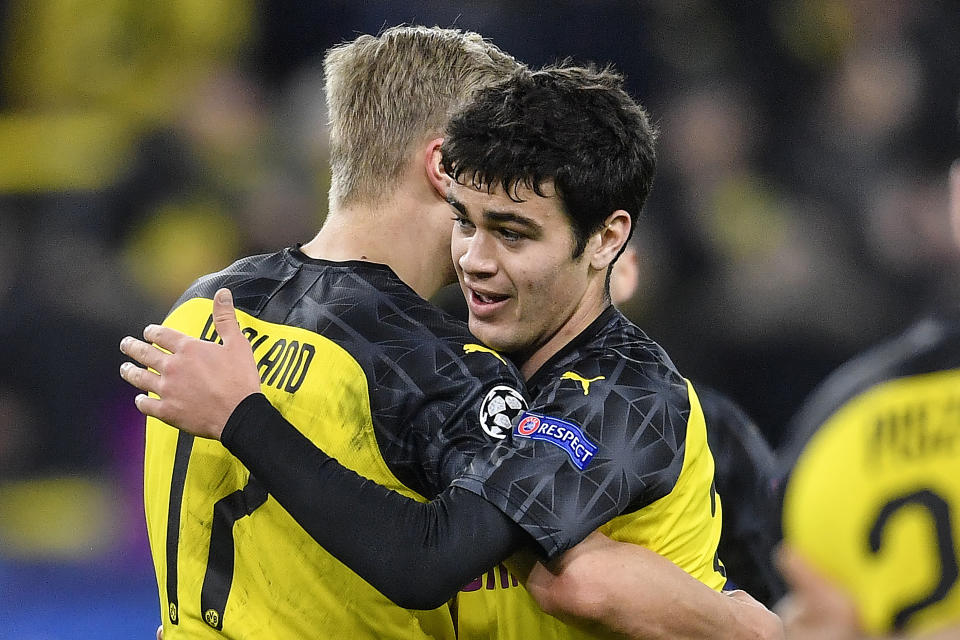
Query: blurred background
[799, 214]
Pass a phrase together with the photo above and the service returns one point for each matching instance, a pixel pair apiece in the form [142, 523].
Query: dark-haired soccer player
[549, 173]
[615, 437]
[871, 489]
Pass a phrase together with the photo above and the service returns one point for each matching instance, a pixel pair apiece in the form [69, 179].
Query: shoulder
[619, 362]
[257, 272]
[928, 346]
[619, 376]
[737, 444]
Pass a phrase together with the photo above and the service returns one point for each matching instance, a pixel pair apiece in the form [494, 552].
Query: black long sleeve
[416, 554]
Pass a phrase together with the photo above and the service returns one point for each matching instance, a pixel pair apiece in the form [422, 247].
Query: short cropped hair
[388, 92]
[572, 125]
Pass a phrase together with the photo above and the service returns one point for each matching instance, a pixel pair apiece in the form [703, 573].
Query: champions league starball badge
[500, 406]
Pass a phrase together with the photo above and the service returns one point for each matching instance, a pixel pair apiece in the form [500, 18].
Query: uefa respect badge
[560, 433]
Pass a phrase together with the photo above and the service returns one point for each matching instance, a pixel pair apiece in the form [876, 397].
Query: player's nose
[477, 257]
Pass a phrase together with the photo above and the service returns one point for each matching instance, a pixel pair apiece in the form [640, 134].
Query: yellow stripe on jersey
[874, 502]
[683, 525]
[284, 585]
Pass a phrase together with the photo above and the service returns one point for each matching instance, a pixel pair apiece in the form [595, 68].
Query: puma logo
[475, 348]
[570, 375]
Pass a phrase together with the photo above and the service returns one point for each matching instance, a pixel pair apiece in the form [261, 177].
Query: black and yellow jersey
[615, 440]
[871, 480]
[377, 377]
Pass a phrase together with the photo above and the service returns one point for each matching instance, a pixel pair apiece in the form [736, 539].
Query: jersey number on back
[939, 510]
[219, 574]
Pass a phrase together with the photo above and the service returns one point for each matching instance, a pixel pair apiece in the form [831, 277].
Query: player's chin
[494, 335]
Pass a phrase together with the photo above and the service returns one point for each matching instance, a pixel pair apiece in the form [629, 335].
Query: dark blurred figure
[745, 470]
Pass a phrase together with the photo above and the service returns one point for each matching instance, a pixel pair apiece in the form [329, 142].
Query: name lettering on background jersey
[282, 364]
[561, 433]
[584, 382]
[912, 431]
[479, 348]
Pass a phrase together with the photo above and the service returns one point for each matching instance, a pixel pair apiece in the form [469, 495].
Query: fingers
[743, 597]
[761, 621]
[815, 607]
[145, 354]
[150, 407]
[225, 317]
[798, 573]
[140, 378]
[165, 337]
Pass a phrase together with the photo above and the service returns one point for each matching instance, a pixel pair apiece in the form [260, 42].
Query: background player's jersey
[375, 376]
[745, 475]
[872, 489]
[615, 440]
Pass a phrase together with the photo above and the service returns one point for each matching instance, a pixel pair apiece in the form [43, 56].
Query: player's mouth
[484, 304]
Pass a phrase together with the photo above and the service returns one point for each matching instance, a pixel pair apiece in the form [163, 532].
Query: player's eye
[463, 223]
[510, 235]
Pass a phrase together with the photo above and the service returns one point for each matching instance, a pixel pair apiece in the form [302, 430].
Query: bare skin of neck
[593, 303]
[408, 231]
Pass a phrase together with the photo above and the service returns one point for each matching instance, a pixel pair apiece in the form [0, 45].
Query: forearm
[416, 554]
[631, 591]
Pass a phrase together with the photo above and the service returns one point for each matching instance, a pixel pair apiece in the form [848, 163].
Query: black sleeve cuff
[239, 434]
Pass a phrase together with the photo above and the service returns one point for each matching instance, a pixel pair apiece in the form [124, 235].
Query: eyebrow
[512, 218]
[456, 204]
[501, 217]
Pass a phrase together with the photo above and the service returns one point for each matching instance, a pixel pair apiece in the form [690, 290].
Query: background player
[745, 475]
[871, 493]
[584, 303]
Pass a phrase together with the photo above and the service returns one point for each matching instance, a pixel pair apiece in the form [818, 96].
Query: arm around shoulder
[416, 554]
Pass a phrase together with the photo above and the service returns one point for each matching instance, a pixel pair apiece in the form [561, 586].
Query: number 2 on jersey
[939, 510]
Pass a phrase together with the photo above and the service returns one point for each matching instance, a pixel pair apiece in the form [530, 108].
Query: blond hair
[388, 92]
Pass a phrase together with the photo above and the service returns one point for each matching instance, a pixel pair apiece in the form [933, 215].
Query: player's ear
[435, 174]
[625, 277]
[609, 239]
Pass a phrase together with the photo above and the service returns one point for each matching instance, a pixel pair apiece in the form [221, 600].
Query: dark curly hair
[572, 125]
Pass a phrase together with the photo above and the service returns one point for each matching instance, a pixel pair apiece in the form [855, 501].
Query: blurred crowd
[799, 212]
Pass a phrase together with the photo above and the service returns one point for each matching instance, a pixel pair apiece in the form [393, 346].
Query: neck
[386, 234]
[593, 303]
